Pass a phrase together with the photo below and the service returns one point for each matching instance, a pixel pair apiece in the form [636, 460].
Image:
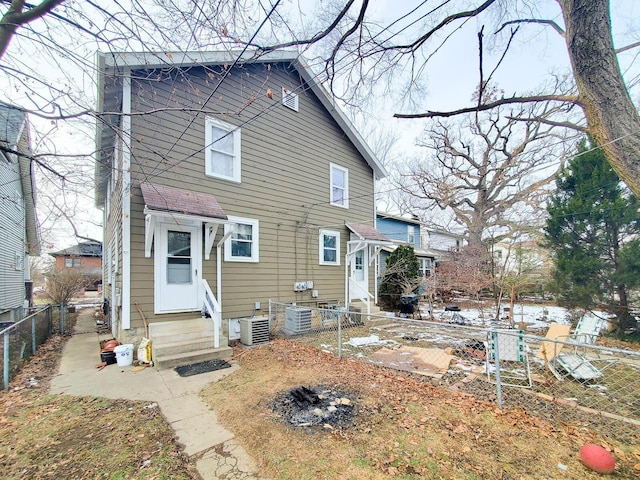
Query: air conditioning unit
[254, 331]
[297, 320]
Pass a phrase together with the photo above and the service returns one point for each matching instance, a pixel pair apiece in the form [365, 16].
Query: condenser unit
[297, 320]
[254, 331]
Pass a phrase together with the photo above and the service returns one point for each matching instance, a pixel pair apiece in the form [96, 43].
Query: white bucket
[124, 354]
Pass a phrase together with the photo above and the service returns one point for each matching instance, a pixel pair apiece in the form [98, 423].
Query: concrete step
[183, 346]
[176, 360]
[177, 331]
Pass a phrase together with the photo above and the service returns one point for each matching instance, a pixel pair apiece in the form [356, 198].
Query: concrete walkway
[206, 442]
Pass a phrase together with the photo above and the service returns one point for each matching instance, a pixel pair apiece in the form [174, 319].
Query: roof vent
[289, 99]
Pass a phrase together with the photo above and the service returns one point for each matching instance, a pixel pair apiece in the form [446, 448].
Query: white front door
[178, 268]
[360, 275]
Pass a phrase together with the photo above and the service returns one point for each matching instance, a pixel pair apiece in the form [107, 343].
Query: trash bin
[124, 354]
[408, 303]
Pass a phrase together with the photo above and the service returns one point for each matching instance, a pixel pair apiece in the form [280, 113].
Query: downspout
[126, 201]
[230, 232]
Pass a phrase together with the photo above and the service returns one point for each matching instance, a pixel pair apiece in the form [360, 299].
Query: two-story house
[19, 233]
[402, 230]
[84, 258]
[228, 182]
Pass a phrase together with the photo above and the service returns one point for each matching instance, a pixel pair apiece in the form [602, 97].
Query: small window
[242, 245]
[339, 186]
[222, 147]
[68, 262]
[77, 262]
[329, 247]
[411, 234]
[289, 99]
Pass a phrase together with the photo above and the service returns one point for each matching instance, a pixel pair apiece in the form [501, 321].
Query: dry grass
[58, 436]
[405, 428]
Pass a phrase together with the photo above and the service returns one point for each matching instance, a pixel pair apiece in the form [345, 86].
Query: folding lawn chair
[509, 347]
[576, 363]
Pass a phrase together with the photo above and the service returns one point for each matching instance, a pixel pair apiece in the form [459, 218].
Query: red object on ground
[109, 345]
[597, 458]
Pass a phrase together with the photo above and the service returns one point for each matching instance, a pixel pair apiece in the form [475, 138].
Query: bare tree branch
[16, 16]
[491, 105]
[550, 23]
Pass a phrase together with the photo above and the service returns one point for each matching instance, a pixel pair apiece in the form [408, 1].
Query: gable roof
[177, 200]
[113, 64]
[83, 249]
[412, 221]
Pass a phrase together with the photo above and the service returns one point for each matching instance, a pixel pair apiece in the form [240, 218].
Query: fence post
[49, 318]
[339, 334]
[33, 335]
[62, 319]
[496, 349]
[6, 361]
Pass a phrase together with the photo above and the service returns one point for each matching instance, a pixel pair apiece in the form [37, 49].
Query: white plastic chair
[510, 348]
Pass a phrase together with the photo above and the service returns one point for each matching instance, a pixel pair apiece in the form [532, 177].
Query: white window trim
[411, 234]
[345, 203]
[237, 161]
[255, 246]
[321, 236]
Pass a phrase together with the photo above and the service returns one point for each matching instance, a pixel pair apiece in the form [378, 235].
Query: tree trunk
[612, 118]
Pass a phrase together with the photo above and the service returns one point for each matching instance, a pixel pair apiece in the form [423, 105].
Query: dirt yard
[402, 427]
[64, 437]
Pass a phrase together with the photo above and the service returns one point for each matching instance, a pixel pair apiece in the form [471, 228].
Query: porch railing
[215, 311]
[366, 299]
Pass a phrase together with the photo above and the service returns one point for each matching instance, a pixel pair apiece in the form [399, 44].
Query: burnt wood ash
[319, 406]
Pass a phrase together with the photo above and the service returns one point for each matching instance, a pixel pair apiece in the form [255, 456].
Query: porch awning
[177, 203]
[165, 199]
[368, 234]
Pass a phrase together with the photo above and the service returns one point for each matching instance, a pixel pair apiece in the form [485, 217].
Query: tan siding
[285, 184]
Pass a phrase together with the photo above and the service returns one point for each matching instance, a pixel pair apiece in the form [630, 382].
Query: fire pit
[319, 406]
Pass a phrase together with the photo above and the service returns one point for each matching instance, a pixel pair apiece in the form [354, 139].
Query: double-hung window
[222, 147]
[411, 234]
[339, 186]
[329, 247]
[242, 245]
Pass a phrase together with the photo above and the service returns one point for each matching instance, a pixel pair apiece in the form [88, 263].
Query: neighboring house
[242, 173]
[85, 258]
[441, 240]
[403, 230]
[19, 233]
[524, 259]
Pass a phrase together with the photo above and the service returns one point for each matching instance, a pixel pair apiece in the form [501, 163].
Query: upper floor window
[242, 246]
[72, 262]
[339, 186]
[411, 234]
[329, 247]
[222, 147]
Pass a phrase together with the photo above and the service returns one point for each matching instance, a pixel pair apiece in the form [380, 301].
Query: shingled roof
[176, 200]
[368, 233]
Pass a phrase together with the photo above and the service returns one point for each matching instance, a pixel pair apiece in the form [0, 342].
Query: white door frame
[179, 297]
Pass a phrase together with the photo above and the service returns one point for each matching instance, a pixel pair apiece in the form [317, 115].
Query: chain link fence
[567, 383]
[20, 340]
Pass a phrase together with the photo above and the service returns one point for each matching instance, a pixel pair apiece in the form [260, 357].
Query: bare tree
[488, 171]
[64, 284]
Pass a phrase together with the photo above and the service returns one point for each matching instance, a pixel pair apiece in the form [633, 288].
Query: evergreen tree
[401, 276]
[592, 231]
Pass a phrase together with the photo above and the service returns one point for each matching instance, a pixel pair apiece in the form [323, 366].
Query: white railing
[353, 285]
[213, 307]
